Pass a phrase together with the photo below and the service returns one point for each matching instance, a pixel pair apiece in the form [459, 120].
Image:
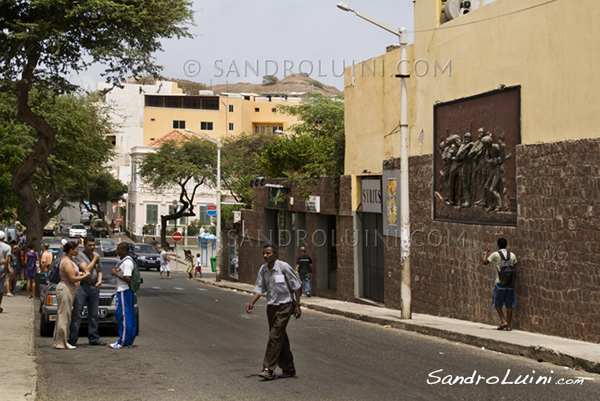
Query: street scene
[327, 201]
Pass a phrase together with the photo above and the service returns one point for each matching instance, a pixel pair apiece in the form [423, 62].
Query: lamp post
[218, 143]
[404, 178]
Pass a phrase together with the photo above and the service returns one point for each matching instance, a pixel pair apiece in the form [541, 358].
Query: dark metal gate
[372, 249]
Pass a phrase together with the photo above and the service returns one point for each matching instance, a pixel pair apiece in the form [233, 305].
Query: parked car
[146, 256]
[107, 245]
[77, 230]
[107, 305]
[51, 228]
[86, 217]
[99, 228]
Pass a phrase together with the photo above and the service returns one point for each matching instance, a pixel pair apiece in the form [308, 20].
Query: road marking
[156, 288]
[179, 288]
[201, 289]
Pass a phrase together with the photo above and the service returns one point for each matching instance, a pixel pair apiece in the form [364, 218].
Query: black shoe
[308, 294]
[287, 373]
[98, 343]
[267, 374]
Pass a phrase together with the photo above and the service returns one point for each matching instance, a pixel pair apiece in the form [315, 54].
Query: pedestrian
[31, 258]
[70, 276]
[189, 264]
[504, 295]
[61, 224]
[198, 268]
[88, 293]
[279, 281]
[144, 238]
[154, 243]
[125, 302]
[15, 270]
[4, 266]
[63, 241]
[46, 258]
[304, 269]
[164, 263]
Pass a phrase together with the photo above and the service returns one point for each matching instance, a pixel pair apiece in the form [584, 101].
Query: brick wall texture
[556, 240]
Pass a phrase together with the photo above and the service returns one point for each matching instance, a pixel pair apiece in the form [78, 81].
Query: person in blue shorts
[125, 313]
[503, 295]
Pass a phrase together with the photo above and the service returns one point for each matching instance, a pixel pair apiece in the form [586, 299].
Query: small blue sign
[211, 210]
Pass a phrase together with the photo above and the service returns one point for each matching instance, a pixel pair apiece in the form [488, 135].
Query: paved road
[197, 342]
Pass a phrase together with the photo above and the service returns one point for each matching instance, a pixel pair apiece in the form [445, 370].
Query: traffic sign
[211, 210]
[119, 219]
[177, 236]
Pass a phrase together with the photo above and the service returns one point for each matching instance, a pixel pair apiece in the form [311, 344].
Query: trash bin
[213, 263]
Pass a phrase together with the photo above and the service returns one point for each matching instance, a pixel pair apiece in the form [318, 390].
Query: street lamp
[218, 143]
[404, 179]
[287, 135]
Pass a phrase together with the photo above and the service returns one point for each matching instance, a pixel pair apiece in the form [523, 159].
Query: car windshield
[78, 227]
[106, 242]
[144, 249]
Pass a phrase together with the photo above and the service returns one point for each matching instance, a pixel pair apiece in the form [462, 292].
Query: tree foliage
[185, 165]
[43, 42]
[317, 148]
[101, 188]
[80, 152]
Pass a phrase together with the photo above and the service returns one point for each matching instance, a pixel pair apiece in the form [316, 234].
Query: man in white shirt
[4, 260]
[164, 263]
[280, 282]
[125, 313]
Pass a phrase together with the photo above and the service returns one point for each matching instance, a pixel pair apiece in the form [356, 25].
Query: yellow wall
[243, 117]
[548, 48]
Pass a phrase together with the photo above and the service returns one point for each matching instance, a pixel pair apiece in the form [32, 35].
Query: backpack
[136, 278]
[507, 270]
[54, 276]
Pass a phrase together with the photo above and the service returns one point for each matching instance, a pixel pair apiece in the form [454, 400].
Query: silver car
[106, 307]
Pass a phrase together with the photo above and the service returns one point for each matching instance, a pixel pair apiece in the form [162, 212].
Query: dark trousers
[278, 348]
[87, 295]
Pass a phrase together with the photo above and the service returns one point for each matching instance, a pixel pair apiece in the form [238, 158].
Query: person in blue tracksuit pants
[125, 313]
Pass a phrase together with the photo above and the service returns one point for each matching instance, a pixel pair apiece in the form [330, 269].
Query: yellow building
[217, 116]
[521, 68]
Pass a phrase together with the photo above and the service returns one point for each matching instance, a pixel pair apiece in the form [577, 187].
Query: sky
[243, 40]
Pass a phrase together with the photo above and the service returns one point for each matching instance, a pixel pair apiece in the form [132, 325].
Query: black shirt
[304, 261]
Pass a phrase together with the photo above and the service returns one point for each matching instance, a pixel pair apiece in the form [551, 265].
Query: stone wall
[556, 240]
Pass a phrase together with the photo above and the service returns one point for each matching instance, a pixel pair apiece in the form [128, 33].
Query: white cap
[2, 235]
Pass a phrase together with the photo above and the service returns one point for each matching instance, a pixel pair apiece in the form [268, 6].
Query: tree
[101, 188]
[269, 80]
[185, 165]
[317, 148]
[81, 149]
[44, 42]
[239, 165]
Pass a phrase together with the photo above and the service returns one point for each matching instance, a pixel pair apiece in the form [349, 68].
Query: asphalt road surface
[196, 342]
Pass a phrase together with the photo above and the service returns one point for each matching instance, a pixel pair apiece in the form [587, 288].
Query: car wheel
[46, 328]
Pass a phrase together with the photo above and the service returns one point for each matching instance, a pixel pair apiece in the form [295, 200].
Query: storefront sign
[370, 194]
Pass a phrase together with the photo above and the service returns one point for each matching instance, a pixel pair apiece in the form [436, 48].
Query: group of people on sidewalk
[17, 264]
[79, 286]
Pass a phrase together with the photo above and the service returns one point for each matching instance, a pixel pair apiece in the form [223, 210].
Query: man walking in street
[88, 294]
[125, 313]
[279, 281]
[304, 270]
[164, 263]
[46, 258]
[504, 291]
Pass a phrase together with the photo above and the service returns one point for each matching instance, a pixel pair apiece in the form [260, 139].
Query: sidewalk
[557, 350]
[17, 348]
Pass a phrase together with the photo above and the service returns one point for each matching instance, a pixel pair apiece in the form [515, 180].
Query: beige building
[520, 68]
[217, 116]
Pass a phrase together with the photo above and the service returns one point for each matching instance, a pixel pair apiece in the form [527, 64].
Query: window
[281, 128]
[191, 103]
[230, 126]
[210, 104]
[181, 221]
[274, 110]
[173, 102]
[206, 126]
[178, 124]
[257, 109]
[151, 214]
[204, 219]
[256, 129]
[231, 108]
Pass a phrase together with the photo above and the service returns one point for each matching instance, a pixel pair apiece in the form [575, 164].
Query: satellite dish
[455, 8]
